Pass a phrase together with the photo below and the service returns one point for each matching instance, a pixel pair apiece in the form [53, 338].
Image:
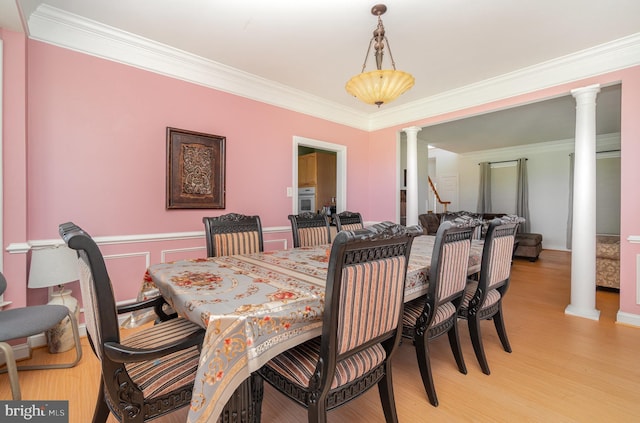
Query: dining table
[256, 306]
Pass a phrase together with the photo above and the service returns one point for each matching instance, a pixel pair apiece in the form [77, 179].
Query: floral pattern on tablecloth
[253, 307]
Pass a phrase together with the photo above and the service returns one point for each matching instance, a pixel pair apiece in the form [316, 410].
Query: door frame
[341, 170]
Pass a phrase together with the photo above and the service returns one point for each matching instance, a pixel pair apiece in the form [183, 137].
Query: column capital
[590, 90]
[412, 129]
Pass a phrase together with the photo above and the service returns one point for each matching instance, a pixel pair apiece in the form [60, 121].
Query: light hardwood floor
[562, 369]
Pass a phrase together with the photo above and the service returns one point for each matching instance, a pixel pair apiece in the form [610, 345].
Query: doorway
[308, 144]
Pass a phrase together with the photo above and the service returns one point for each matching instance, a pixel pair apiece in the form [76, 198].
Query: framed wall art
[195, 170]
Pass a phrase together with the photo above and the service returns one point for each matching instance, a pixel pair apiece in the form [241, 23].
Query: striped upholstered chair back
[233, 233]
[449, 264]
[483, 297]
[309, 229]
[136, 373]
[499, 251]
[361, 324]
[435, 313]
[348, 221]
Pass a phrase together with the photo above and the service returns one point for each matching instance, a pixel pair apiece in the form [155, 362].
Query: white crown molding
[609, 57]
[54, 26]
[604, 142]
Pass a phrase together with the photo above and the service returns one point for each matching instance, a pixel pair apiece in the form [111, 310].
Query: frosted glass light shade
[379, 86]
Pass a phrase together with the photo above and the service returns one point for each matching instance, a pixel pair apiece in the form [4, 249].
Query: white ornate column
[583, 239]
[412, 174]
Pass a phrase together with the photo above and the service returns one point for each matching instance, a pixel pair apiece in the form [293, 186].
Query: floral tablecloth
[256, 306]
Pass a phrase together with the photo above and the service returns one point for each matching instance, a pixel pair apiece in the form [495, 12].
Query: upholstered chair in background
[435, 313]
[233, 233]
[309, 229]
[483, 298]
[348, 221]
[22, 322]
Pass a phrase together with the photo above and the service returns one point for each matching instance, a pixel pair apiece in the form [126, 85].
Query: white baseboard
[23, 351]
[628, 319]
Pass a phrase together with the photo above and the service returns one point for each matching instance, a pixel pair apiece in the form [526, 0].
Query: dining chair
[148, 374]
[435, 313]
[348, 221]
[310, 229]
[360, 327]
[233, 233]
[22, 322]
[483, 297]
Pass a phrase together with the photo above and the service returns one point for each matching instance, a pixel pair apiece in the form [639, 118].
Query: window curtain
[570, 217]
[484, 195]
[522, 196]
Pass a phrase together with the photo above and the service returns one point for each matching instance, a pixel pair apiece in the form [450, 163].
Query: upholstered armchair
[608, 261]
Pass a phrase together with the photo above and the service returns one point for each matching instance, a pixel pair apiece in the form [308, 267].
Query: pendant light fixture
[379, 86]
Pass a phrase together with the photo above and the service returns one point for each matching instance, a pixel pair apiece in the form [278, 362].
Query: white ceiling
[315, 47]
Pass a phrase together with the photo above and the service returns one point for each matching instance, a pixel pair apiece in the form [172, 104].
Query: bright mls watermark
[34, 411]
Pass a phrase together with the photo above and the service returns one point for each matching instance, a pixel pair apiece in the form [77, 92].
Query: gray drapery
[570, 214]
[484, 195]
[522, 196]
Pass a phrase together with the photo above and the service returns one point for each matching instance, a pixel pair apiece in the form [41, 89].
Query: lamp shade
[52, 266]
[379, 86]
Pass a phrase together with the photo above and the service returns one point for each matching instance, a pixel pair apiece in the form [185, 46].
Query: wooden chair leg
[385, 389]
[502, 332]
[454, 342]
[422, 354]
[476, 340]
[101, 411]
[12, 370]
[317, 412]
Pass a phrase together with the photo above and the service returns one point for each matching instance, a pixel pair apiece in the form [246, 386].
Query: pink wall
[630, 198]
[14, 135]
[97, 147]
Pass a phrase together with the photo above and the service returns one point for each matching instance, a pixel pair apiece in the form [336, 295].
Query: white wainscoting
[118, 249]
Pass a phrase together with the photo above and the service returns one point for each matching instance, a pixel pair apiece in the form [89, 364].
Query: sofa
[528, 245]
[608, 261]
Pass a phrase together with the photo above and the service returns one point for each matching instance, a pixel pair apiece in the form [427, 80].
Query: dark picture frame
[195, 170]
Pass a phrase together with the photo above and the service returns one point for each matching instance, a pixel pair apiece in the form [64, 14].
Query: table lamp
[50, 267]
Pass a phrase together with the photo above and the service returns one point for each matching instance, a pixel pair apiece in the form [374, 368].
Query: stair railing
[438, 199]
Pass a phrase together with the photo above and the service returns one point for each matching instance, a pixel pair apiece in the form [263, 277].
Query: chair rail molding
[25, 247]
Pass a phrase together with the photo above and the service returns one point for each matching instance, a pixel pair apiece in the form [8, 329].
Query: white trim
[54, 26]
[637, 278]
[628, 318]
[24, 247]
[587, 313]
[603, 142]
[145, 254]
[283, 241]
